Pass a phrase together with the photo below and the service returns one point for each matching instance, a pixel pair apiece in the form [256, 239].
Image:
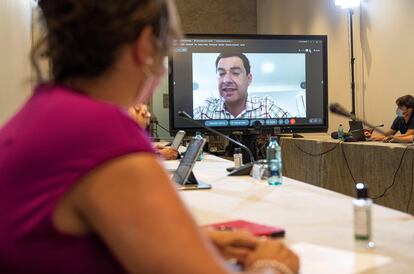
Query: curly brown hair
[84, 36]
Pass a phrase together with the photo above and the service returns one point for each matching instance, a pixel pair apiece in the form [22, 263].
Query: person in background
[403, 123]
[82, 191]
[234, 78]
[142, 116]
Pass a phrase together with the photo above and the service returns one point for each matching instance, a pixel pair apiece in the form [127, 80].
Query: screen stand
[193, 184]
[277, 131]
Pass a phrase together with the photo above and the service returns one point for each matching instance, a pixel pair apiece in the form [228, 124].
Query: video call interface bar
[264, 122]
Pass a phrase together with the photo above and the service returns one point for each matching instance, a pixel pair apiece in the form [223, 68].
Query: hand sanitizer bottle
[362, 217]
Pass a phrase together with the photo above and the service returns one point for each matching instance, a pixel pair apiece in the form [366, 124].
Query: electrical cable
[395, 174]
[235, 137]
[352, 176]
[158, 124]
[347, 164]
[262, 149]
[316, 154]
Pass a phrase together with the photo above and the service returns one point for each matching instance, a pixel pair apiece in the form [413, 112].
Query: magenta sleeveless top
[56, 138]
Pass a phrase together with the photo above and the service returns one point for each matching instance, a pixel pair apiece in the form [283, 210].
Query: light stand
[351, 39]
[350, 4]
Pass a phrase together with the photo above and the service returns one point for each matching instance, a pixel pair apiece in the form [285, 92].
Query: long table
[337, 166]
[318, 222]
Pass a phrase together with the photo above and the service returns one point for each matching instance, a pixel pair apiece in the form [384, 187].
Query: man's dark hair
[246, 62]
[406, 100]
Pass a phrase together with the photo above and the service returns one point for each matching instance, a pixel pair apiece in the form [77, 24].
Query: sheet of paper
[316, 259]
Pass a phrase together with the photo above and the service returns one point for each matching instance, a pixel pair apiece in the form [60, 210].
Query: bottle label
[274, 172]
[362, 223]
[237, 160]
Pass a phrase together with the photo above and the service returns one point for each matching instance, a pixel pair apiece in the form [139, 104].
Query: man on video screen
[234, 77]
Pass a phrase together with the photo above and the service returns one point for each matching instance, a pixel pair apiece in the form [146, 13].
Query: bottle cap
[361, 191]
[237, 150]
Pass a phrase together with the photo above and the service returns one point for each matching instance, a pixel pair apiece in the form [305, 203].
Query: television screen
[237, 82]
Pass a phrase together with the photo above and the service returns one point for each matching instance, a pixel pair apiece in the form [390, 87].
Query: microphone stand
[339, 110]
[244, 169]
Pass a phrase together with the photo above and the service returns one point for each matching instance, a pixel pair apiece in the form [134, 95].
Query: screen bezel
[265, 128]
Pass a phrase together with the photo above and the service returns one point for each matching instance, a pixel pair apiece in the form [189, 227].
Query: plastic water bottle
[199, 136]
[341, 133]
[274, 162]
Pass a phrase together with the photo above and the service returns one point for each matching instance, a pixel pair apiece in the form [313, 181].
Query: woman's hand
[272, 250]
[377, 138]
[368, 133]
[168, 153]
[233, 244]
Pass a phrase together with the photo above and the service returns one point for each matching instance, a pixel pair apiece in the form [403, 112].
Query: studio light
[348, 4]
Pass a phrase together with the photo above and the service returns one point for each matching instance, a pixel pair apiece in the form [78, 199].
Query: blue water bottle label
[274, 172]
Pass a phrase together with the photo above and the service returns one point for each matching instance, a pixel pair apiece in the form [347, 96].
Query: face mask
[399, 112]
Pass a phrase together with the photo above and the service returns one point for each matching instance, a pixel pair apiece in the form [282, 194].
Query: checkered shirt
[256, 107]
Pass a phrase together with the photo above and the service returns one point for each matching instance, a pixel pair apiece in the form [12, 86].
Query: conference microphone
[340, 110]
[244, 169]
